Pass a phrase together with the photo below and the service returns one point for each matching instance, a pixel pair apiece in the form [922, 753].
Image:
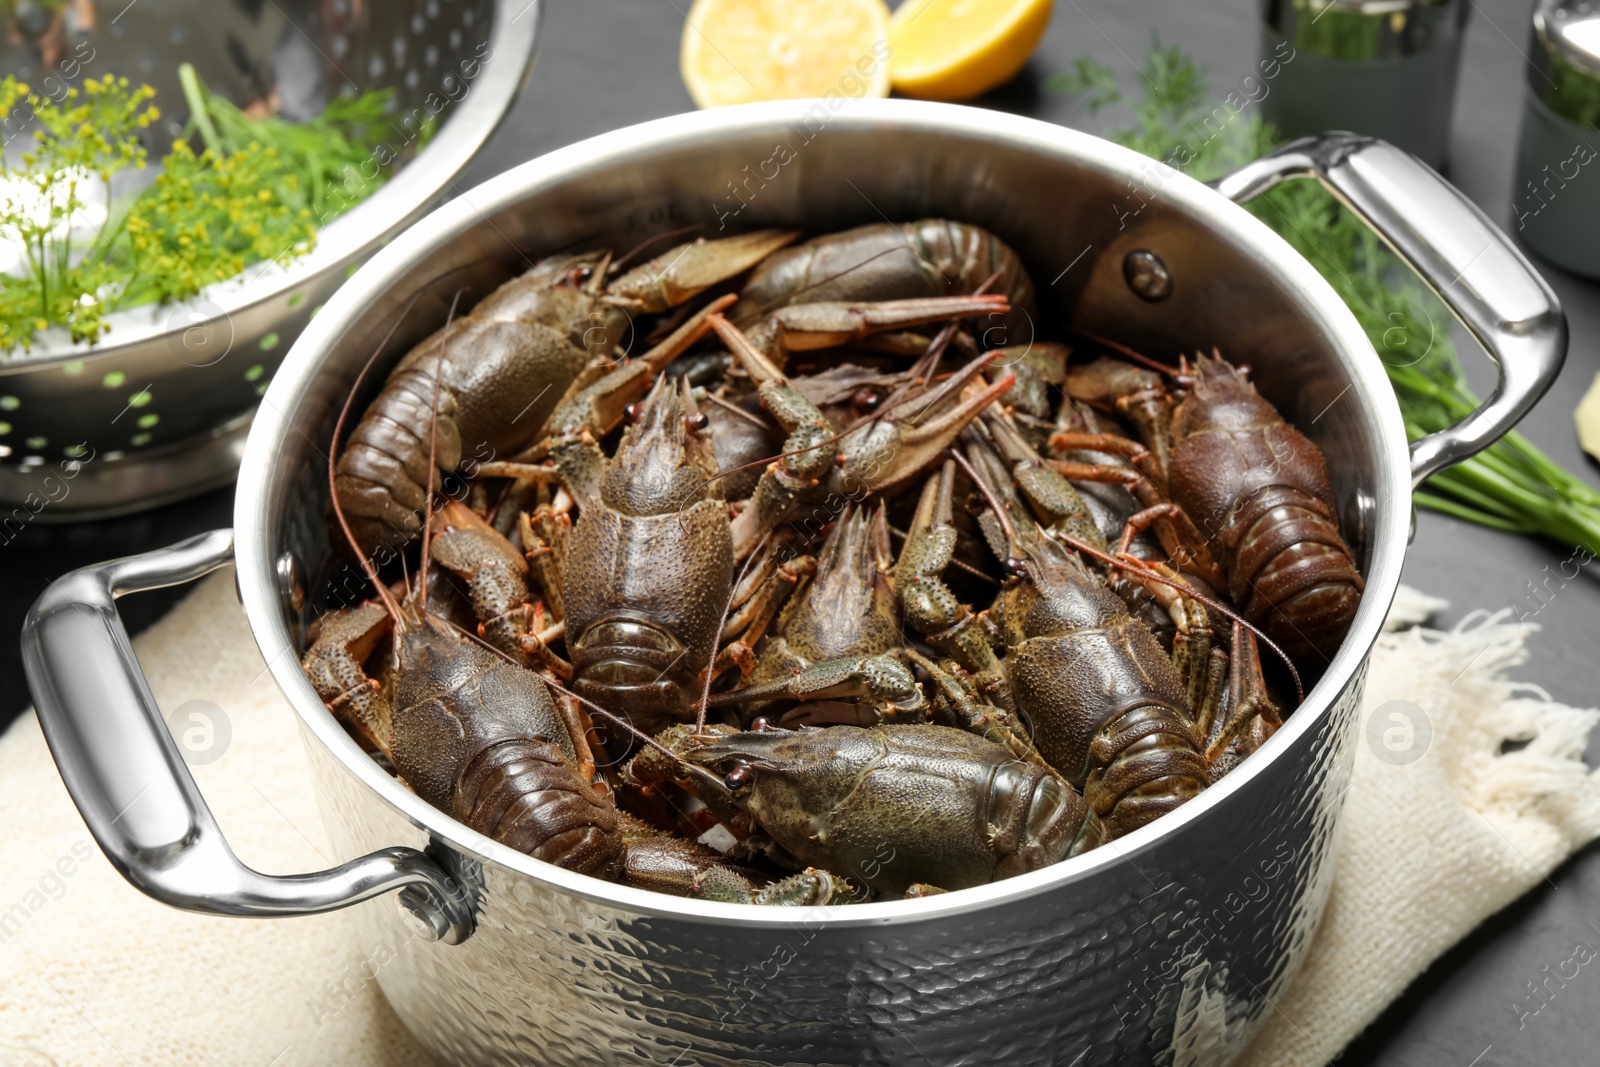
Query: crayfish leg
[756, 600]
[1252, 716]
[544, 544]
[811, 887]
[727, 885]
[883, 680]
[676, 865]
[496, 574]
[958, 703]
[581, 730]
[665, 863]
[808, 452]
[1055, 498]
[598, 402]
[1192, 641]
[918, 890]
[928, 604]
[1139, 395]
[345, 640]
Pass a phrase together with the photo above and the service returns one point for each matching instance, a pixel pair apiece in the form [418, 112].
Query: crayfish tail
[1155, 765]
[1292, 570]
[526, 795]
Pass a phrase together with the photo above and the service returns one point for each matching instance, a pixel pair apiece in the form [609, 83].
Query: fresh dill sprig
[1512, 485]
[257, 190]
[326, 156]
[207, 218]
[83, 137]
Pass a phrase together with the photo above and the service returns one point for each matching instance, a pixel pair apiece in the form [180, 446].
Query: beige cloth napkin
[93, 972]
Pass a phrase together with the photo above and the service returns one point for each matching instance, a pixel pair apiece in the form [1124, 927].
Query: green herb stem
[1448, 506]
[199, 113]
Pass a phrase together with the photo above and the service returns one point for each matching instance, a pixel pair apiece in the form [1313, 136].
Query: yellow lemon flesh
[958, 49]
[738, 51]
[1588, 419]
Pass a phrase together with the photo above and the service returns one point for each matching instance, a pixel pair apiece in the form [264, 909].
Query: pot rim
[257, 575]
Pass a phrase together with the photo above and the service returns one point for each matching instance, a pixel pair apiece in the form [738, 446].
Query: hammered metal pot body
[1172, 951]
[1166, 947]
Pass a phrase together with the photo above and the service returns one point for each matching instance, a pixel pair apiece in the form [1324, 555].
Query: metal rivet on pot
[1146, 275]
[1358, 520]
[290, 583]
[419, 904]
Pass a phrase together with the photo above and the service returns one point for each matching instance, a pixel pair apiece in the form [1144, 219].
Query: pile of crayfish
[825, 593]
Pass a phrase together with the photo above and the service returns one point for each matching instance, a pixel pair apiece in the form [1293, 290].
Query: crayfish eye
[761, 725]
[633, 412]
[696, 421]
[866, 399]
[740, 778]
[1015, 567]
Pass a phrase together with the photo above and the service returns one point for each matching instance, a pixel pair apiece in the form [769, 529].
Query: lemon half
[958, 49]
[738, 51]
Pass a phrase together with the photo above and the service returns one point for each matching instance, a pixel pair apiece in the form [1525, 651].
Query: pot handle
[124, 772]
[1472, 266]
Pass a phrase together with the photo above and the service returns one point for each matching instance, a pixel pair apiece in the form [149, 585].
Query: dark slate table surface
[609, 63]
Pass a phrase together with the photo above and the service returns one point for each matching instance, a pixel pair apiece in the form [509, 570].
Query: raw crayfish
[499, 372]
[1257, 488]
[654, 628]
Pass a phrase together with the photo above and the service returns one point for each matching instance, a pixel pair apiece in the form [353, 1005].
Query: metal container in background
[158, 410]
[1555, 200]
[1386, 68]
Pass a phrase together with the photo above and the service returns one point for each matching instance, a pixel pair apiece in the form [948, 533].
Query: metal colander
[159, 408]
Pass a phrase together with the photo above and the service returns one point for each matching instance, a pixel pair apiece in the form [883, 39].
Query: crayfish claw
[885, 452]
[811, 887]
[802, 327]
[684, 272]
[918, 890]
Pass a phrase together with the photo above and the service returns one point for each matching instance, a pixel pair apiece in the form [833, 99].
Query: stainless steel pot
[1166, 947]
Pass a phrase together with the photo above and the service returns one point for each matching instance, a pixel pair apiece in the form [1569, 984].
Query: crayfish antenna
[951, 386]
[1134, 567]
[1137, 357]
[433, 452]
[597, 280]
[918, 374]
[1001, 513]
[633, 253]
[750, 311]
[333, 470]
[733, 591]
[923, 369]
